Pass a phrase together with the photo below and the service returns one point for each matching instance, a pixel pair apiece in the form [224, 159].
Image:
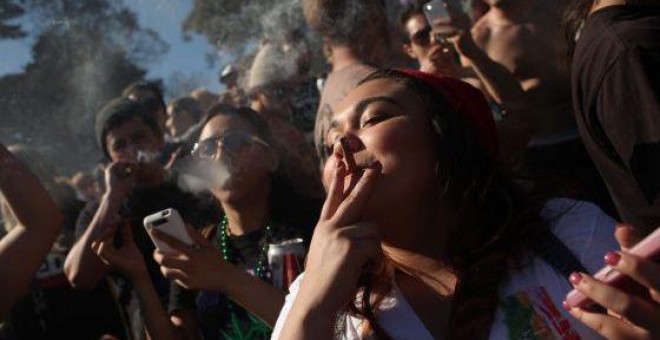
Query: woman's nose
[345, 147]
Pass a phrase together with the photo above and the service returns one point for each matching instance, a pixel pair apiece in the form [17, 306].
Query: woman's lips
[362, 166]
[368, 164]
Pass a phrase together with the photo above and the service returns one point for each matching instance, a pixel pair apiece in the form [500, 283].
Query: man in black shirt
[616, 94]
[136, 185]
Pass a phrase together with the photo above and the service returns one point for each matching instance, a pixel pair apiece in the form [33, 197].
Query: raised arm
[500, 84]
[39, 223]
[517, 127]
[128, 260]
[82, 266]
[203, 269]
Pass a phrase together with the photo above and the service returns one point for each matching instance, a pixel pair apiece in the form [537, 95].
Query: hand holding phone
[648, 248]
[448, 20]
[436, 12]
[167, 221]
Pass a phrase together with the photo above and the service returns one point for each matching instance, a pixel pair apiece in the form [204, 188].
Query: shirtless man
[525, 37]
[527, 41]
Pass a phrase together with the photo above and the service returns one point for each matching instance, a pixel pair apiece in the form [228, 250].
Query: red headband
[468, 102]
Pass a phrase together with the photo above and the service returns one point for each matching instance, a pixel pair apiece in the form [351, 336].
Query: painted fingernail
[612, 258]
[575, 278]
[565, 306]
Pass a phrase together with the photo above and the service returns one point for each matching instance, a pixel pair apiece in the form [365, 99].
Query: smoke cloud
[199, 176]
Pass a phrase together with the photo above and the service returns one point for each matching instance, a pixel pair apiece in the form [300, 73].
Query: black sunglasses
[422, 37]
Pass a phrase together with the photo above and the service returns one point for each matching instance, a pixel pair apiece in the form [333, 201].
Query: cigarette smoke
[144, 156]
[197, 176]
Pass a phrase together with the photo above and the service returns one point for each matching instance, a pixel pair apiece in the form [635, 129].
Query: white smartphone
[167, 221]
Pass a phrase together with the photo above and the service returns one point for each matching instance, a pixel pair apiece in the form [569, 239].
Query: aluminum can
[286, 261]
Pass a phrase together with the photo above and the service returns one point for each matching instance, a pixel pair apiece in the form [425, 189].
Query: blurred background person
[205, 98]
[524, 36]
[233, 94]
[85, 185]
[277, 75]
[36, 222]
[183, 114]
[355, 40]
[52, 308]
[441, 54]
[184, 121]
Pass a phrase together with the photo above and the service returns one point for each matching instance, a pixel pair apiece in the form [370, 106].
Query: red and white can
[286, 260]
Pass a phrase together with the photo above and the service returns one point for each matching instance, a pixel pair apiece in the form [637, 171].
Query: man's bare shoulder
[481, 30]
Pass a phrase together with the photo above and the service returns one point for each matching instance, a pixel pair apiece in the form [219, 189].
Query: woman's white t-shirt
[530, 299]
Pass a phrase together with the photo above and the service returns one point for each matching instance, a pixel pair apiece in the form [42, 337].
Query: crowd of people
[450, 177]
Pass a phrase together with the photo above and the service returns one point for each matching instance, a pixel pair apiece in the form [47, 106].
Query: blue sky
[164, 17]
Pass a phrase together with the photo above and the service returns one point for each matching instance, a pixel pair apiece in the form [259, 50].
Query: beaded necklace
[256, 327]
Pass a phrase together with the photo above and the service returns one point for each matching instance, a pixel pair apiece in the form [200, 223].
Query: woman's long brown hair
[495, 218]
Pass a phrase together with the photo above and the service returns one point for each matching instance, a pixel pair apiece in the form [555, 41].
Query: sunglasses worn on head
[233, 142]
[422, 37]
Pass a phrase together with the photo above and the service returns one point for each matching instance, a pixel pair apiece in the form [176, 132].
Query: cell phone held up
[169, 222]
[648, 248]
[436, 10]
[439, 16]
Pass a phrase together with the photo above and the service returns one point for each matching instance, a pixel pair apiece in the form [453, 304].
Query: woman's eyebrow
[363, 104]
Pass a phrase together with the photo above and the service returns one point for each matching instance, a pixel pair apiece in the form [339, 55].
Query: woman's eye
[373, 120]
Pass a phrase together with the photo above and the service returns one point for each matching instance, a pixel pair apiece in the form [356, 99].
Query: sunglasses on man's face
[234, 142]
[422, 37]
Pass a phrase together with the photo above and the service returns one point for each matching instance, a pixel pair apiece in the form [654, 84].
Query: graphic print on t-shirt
[531, 314]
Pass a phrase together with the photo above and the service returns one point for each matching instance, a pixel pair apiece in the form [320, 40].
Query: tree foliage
[85, 53]
[9, 11]
[234, 25]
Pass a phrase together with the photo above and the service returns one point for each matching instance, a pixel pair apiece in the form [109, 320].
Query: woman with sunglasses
[228, 264]
[421, 237]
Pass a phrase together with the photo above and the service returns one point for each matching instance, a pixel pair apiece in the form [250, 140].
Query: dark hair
[153, 101]
[245, 113]
[287, 205]
[116, 113]
[409, 12]
[575, 13]
[494, 216]
[188, 104]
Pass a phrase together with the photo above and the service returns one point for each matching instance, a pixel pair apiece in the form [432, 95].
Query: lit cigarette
[125, 172]
[348, 155]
